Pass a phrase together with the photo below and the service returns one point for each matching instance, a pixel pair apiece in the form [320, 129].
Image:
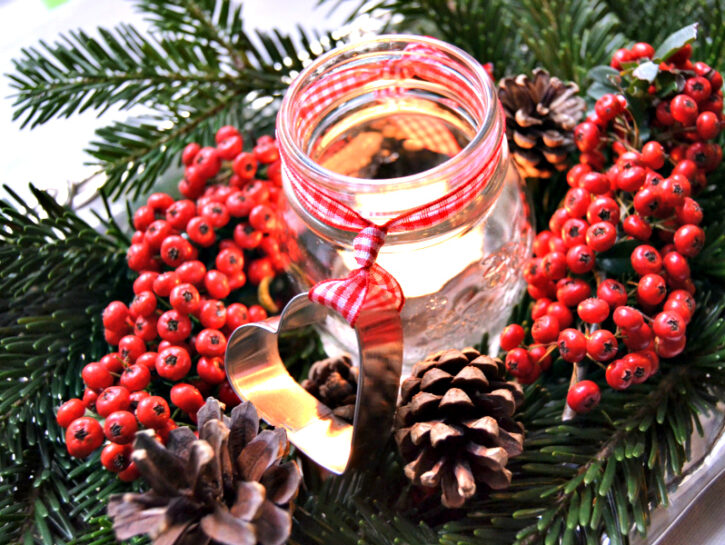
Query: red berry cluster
[191, 255]
[643, 203]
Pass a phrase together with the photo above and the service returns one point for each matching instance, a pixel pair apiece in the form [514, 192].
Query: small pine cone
[229, 485]
[454, 426]
[334, 382]
[541, 114]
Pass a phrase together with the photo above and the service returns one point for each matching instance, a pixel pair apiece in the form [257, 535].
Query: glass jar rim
[488, 129]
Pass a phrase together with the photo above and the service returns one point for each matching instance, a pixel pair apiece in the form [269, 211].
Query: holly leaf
[616, 261]
[605, 75]
[675, 42]
[646, 71]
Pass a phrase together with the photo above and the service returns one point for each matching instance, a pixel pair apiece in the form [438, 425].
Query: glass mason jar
[394, 139]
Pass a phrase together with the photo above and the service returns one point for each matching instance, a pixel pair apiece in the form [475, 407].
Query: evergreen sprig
[58, 272]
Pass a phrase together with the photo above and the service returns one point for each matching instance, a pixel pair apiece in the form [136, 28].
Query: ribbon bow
[370, 286]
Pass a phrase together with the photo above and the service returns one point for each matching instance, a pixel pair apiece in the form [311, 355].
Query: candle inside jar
[392, 140]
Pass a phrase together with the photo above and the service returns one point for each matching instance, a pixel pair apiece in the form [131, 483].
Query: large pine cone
[541, 114]
[334, 382]
[229, 486]
[454, 424]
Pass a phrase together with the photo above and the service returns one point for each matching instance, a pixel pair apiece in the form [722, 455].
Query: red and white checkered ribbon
[370, 286]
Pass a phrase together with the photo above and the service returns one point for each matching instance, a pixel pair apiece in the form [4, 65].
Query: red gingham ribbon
[370, 286]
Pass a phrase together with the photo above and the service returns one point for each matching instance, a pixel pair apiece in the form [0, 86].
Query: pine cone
[229, 486]
[540, 117]
[454, 424]
[334, 382]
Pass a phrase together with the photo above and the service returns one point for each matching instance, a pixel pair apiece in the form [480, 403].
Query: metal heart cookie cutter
[258, 374]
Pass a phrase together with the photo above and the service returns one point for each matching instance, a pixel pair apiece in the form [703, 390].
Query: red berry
[263, 218]
[618, 375]
[518, 362]
[147, 359]
[639, 365]
[173, 326]
[96, 376]
[593, 310]
[557, 220]
[187, 397]
[572, 345]
[143, 304]
[689, 240]
[115, 316]
[208, 162]
[651, 289]
[165, 282]
[545, 329]
[266, 153]
[201, 231]
[637, 228]
[612, 292]
[230, 147]
[653, 155]
[230, 261]
[135, 377]
[236, 315]
[669, 325]
[574, 232]
[143, 217]
[512, 336]
[539, 308]
[646, 259]
[216, 284]
[227, 395]
[601, 236]
[135, 398]
[180, 213]
[708, 125]
[191, 272]
[553, 265]
[113, 337]
[83, 436]
[648, 201]
[669, 348]
[257, 313]
[643, 50]
[245, 166]
[684, 109]
[259, 269]
[116, 458]
[678, 307]
[583, 396]
[190, 151]
[185, 299]
[580, 259]
[676, 266]
[631, 179]
[120, 427]
[621, 56]
[89, 399]
[664, 114]
[131, 347]
[681, 55]
[211, 342]
[577, 199]
[224, 132]
[571, 291]
[213, 314]
[607, 107]
[638, 339]
[602, 345]
[603, 209]
[674, 190]
[175, 250]
[173, 363]
[144, 282]
[561, 312]
[211, 370]
[69, 411]
[112, 399]
[698, 88]
[153, 412]
[575, 173]
[540, 356]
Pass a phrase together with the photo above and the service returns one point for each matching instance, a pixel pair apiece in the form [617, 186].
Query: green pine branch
[58, 273]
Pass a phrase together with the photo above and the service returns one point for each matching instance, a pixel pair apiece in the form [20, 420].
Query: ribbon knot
[368, 287]
[367, 244]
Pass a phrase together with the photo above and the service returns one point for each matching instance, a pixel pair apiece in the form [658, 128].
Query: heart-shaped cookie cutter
[258, 374]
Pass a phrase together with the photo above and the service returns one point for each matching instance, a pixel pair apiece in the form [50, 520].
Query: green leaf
[617, 260]
[675, 42]
[646, 71]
